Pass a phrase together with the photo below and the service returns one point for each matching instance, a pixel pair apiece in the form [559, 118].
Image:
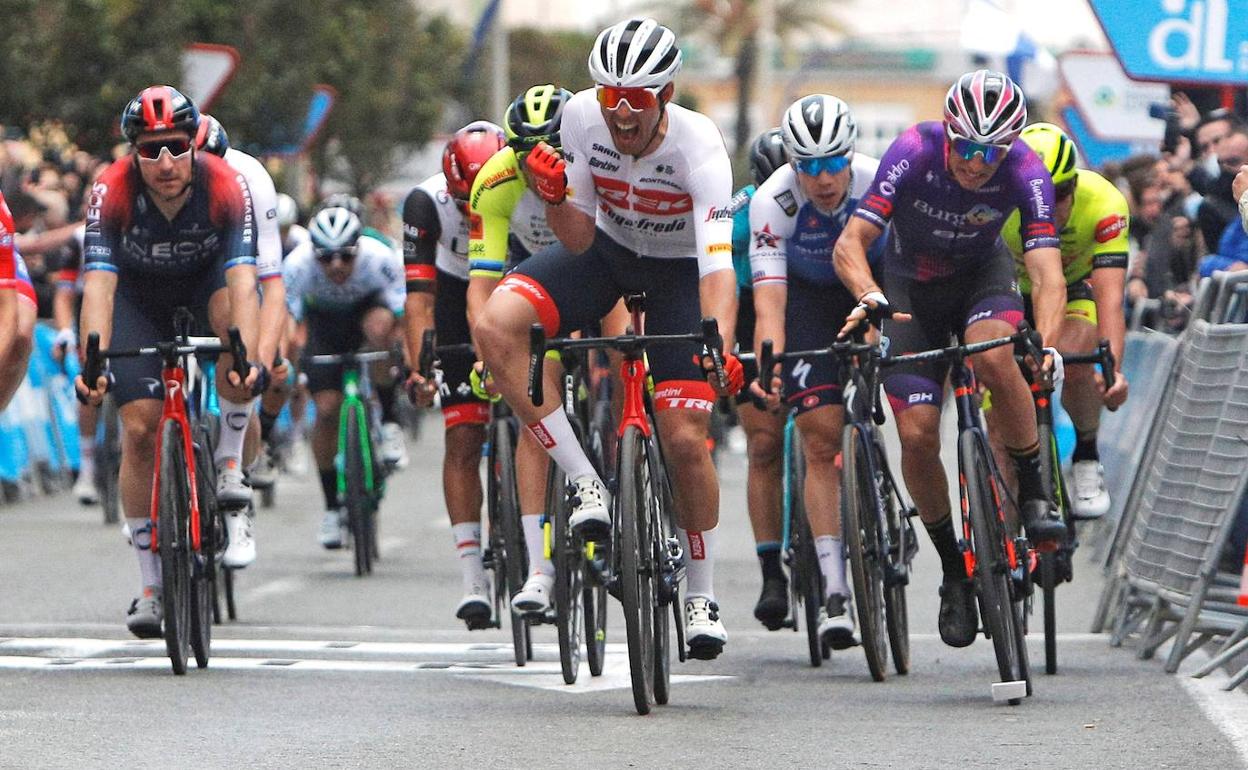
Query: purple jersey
[940, 229]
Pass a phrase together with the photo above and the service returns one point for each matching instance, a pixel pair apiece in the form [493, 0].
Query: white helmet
[287, 210]
[334, 228]
[985, 107]
[818, 126]
[635, 53]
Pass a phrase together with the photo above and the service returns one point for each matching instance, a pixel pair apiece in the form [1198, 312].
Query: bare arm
[573, 227]
[849, 256]
[44, 242]
[718, 293]
[1048, 290]
[272, 319]
[479, 290]
[1107, 289]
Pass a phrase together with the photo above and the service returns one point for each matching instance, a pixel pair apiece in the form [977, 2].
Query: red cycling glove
[547, 169]
[734, 373]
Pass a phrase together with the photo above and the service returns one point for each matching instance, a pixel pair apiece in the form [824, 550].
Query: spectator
[1232, 253]
[1219, 206]
[1208, 136]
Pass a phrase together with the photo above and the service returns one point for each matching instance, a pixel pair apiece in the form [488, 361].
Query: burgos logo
[1194, 38]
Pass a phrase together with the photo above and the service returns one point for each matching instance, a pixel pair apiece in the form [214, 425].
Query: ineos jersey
[939, 228]
[789, 235]
[672, 203]
[435, 234]
[126, 232]
[264, 212]
[376, 270]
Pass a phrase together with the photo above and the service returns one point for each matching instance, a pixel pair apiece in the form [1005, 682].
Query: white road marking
[1227, 710]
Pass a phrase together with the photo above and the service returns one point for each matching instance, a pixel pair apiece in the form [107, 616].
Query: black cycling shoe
[959, 617]
[475, 614]
[772, 608]
[1042, 522]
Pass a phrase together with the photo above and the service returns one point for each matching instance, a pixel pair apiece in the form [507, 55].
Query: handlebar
[367, 356]
[93, 362]
[1103, 355]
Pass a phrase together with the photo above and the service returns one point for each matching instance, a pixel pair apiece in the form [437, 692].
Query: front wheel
[860, 515]
[636, 579]
[205, 564]
[173, 537]
[356, 492]
[108, 461]
[510, 557]
[806, 576]
[565, 551]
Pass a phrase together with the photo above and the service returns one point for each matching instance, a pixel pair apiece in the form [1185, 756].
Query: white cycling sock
[832, 565]
[468, 545]
[556, 436]
[699, 561]
[234, 419]
[86, 457]
[141, 538]
[535, 542]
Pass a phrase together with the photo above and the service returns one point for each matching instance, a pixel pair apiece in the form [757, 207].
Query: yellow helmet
[1055, 149]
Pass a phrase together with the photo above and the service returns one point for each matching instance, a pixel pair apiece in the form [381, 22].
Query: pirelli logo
[719, 248]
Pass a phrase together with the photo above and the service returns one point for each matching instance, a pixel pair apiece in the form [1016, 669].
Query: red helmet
[467, 152]
[159, 108]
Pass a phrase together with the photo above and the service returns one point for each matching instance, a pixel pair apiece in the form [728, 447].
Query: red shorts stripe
[466, 414]
[26, 291]
[420, 272]
[538, 297]
[684, 394]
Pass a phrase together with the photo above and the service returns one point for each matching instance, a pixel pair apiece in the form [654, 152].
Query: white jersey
[789, 235]
[377, 269]
[296, 236]
[264, 212]
[452, 256]
[671, 203]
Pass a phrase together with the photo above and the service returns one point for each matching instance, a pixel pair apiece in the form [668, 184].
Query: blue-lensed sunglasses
[833, 164]
[967, 150]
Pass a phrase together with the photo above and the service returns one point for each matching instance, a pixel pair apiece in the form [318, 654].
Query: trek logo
[697, 546]
[801, 370]
[921, 398]
[684, 402]
[540, 433]
[621, 195]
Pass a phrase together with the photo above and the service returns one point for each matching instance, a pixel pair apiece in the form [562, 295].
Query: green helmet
[534, 117]
[1055, 149]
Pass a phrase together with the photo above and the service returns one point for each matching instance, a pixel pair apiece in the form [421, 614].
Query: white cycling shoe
[535, 595]
[836, 623]
[331, 530]
[241, 550]
[591, 509]
[1091, 499]
[474, 608]
[704, 633]
[393, 446]
[232, 489]
[84, 490]
[146, 614]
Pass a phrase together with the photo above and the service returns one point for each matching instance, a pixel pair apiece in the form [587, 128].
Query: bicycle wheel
[172, 522]
[108, 461]
[1048, 586]
[356, 497]
[860, 517]
[514, 562]
[806, 576]
[901, 549]
[205, 560]
[565, 551]
[594, 605]
[665, 590]
[1002, 622]
[636, 579]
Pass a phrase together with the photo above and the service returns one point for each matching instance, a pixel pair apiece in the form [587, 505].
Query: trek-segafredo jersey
[938, 227]
[789, 236]
[672, 203]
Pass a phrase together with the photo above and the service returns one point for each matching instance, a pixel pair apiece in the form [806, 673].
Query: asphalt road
[327, 670]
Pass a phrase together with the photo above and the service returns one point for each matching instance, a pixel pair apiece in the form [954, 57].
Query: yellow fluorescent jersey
[1094, 236]
[502, 205]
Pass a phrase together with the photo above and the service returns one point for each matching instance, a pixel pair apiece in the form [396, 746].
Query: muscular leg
[1080, 397]
[15, 359]
[139, 421]
[325, 443]
[821, 443]
[764, 440]
[695, 489]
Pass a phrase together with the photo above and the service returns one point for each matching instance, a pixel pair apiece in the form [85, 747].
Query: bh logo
[1193, 38]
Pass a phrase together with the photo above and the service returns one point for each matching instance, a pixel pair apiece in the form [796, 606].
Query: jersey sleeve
[421, 230]
[740, 207]
[495, 193]
[8, 257]
[768, 260]
[264, 208]
[230, 209]
[576, 155]
[710, 187]
[1111, 232]
[295, 276]
[1035, 199]
[105, 204]
[394, 289]
[894, 171]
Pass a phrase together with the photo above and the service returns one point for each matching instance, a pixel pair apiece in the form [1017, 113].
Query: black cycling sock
[1027, 462]
[769, 560]
[946, 542]
[329, 488]
[1085, 447]
[266, 424]
[386, 395]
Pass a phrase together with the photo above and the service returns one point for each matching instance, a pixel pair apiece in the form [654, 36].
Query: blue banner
[1184, 41]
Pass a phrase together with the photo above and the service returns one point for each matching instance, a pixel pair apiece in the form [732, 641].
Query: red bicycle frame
[174, 409]
[633, 376]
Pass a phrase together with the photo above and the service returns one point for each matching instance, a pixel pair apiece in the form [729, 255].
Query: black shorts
[1078, 294]
[571, 291]
[331, 332]
[812, 317]
[450, 318]
[143, 308]
[942, 310]
[745, 340]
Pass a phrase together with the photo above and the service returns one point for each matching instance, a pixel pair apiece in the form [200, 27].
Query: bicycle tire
[806, 574]
[860, 517]
[896, 609]
[108, 462]
[1048, 586]
[205, 560]
[635, 579]
[660, 527]
[515, 559]
[1051, 472]
[172, 521]
[566, 554]
[594, 605]
[356, 495]
[992, 577]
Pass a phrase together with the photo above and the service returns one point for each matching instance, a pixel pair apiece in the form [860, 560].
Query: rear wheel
[205, 560]
[901, 546]
[636, 581]
[356, 493]
[172, 523]
[108, 461]
[512, 568]
[861, 528]
[567, 556]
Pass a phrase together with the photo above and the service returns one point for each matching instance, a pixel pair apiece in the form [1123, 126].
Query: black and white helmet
[818, 126]
[633, 54]
[334, 228]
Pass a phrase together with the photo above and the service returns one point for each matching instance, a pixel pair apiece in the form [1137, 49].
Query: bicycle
[998, 558]
[361, 473]
[187, 529]
[644, 563]
[878, 534]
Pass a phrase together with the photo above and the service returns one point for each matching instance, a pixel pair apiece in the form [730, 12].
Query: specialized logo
[801, 370]
[151, 383]
[786, 202]
[1109, 228]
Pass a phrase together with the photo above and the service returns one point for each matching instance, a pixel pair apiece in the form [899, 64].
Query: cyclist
[946, 189]
[167, 227]
[348, 290]
[795, 219]
[638, 196]
[435, 256]
[507, 223]
[212, 138]
[1092, 220]
[17, 310]
[764, 429]
[288, 225]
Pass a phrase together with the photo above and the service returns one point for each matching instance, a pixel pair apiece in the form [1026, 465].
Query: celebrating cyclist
[946, 189]
[435, 256]
[764, 429]
[167, 227]
[795, 218]
[638, 196]
[17, 310]
[1092, 220]
[348, 290]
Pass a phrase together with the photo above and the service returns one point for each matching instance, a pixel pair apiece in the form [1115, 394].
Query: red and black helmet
[211, 136]
[159, 108]
[467, 152]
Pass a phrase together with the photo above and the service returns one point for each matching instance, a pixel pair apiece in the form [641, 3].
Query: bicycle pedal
[703, 648]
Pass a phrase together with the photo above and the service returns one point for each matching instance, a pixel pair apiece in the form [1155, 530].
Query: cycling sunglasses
[637, 98]
[343, 255]
[176, 146]
[833, 164]
[967, 150]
